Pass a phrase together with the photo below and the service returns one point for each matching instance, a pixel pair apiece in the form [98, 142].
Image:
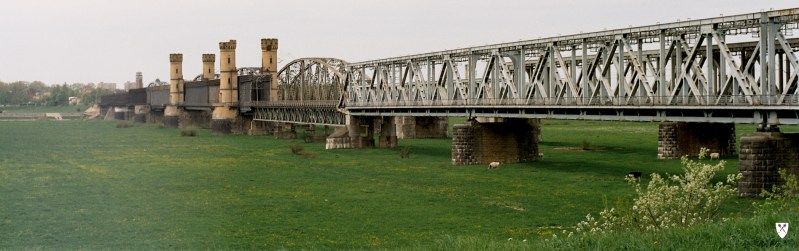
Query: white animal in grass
[714, 156]
[493, 165]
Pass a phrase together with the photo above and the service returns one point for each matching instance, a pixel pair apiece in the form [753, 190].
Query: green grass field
[42, 109]
[88, 184]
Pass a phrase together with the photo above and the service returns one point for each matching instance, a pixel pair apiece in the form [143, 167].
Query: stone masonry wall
[421, 127]
[190, 118]
[509, 141]
[762, 156]
[676, 139]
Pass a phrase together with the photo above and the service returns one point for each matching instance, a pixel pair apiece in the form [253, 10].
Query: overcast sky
[91, 41]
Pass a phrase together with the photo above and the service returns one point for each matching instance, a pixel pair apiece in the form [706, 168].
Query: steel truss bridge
[309, 92]
[740, 68]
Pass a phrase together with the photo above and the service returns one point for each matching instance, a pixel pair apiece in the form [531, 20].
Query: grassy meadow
[90, 185]
[43, 109]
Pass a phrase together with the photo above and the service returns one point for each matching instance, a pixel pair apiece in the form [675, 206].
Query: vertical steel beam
[780, 71]
[585, 89]
[551, 71]
[520, 74]
[661, 67]
[622, 87]
[643, 61]
[470, 74]
[772, 59]
[764, 30]
[709, 61]
[573, 68]
[683, 90]
[722, 63]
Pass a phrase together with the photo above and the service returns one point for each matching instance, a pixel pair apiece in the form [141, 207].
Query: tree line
[38, 93]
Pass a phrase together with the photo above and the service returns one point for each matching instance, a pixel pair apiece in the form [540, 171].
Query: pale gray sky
[93, 40]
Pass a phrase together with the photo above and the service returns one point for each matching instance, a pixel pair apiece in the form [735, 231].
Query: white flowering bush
[782, 197]
[672, 201]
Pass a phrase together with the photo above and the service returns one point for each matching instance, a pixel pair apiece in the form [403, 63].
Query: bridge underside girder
[301, 115]
[767, 115]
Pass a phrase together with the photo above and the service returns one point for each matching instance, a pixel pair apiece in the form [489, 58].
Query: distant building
[139, 80]
[74, 100]
[130, 85]
[135, 85]
[108, 86]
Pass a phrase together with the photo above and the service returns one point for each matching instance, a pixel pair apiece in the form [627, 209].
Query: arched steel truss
[308, 91]
[312, 79]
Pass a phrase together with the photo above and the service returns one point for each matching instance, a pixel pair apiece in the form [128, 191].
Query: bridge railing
[705, 101]
[297, 103]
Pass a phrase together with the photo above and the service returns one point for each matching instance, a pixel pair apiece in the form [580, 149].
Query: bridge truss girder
[315, 79]
[684, 64]
[301, 115]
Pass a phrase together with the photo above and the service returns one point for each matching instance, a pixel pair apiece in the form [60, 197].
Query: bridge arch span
[313, 79]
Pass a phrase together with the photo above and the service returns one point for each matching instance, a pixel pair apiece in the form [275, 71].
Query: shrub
[123, 124]
[674, 201]
[781, 198]
[587, 146]
[405, 152]
[189, 132]
[296, 149]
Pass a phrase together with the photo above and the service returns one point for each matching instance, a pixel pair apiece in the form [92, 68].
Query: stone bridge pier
[360, 132]
[762, 156]
[195, 118]
[421, 127]
[140, 113]
[485, 140]
[120, 112]
[284, 131]
[676, 139]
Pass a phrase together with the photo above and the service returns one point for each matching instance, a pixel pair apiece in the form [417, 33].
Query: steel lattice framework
[696, 70]
[309, 91]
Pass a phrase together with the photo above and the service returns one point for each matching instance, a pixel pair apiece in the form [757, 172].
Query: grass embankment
[88, 184]
[43, 109]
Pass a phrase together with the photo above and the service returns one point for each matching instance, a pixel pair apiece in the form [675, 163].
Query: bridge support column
[487, 140]
[119, 112]
[257, 128]
[155, 117]
[222, 120]
[108, 113]
[285, 131]
[140, 113]
[171, 117]
[421, 127]
[762, 156]
[191, 118]
[339, 139]
[676, 139]
[387, 137]
[361, 131]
